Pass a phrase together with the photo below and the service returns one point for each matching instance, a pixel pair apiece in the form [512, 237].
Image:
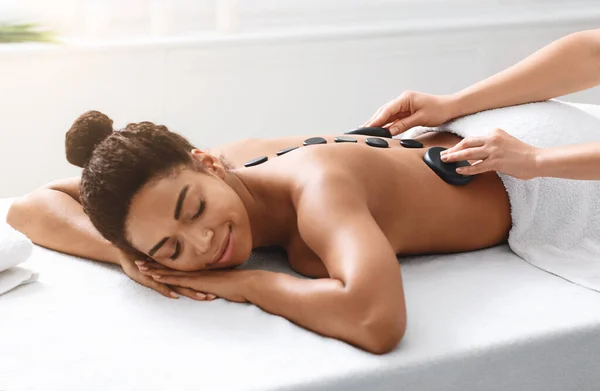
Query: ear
[209, 162]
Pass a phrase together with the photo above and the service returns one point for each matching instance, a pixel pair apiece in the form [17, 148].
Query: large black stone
[256, 162]
[376, 142]
[446, 171]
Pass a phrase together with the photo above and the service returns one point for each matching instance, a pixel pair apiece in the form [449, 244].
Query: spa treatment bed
[483, 320]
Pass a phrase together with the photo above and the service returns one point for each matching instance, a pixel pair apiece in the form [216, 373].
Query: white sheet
[556, 222]
[483, 320]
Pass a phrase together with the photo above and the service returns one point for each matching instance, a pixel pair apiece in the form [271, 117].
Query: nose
[200, 239]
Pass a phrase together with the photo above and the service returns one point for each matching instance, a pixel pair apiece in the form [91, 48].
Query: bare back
[417, 211]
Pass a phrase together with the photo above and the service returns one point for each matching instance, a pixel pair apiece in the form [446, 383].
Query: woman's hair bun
[89, 130]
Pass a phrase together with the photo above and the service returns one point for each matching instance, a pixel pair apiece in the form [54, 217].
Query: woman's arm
[52, 216]
[567, 65]
[363, 300]
[361, 303]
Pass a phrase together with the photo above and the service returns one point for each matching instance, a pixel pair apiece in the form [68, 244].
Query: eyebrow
[158, 245]
[179, 204]
[178, 207]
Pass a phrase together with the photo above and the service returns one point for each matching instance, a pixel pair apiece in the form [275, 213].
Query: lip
[226, 249]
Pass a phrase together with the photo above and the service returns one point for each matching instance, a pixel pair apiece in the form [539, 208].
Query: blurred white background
[219, 70]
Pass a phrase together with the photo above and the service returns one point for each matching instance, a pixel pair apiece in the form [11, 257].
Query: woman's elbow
[380, 318]
[17, 213]
[380, 324]
[384, 336]
[21, 213]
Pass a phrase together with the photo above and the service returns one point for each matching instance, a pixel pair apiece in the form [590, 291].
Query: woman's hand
[413, 109]
[499, 151]
[228, 284]
[129, 263]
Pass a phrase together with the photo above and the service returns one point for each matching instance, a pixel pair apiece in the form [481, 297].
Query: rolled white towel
[15, 248]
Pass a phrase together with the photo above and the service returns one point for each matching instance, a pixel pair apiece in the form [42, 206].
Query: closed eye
[177, 251]
[199, 212]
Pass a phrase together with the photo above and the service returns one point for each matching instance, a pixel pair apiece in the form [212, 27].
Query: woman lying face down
[341, 211]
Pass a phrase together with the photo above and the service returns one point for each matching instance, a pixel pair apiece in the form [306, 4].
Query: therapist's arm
[579, 161]
[567, 65]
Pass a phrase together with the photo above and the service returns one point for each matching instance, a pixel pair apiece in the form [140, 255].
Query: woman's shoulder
[319, 169]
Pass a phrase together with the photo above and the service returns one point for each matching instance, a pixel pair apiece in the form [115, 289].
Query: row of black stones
[371, 141]
[446, 171]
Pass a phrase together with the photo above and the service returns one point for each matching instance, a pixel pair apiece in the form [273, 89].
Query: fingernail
[460, 169]
[210, 296]
[444, 157]
[394, 130]
[156, 276]
[140, 263]
[174, 295]
[201, 295]
[143, 268]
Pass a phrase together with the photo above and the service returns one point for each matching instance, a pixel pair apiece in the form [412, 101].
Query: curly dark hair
[116, 164]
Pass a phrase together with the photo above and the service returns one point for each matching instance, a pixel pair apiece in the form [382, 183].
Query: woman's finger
[474, 153]
[161, 288]
[176, 280]
[145, 265]
[192, 294]
[150, 270]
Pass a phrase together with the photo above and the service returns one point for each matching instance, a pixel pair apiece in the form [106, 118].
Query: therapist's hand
[498, 151]
[414, 109]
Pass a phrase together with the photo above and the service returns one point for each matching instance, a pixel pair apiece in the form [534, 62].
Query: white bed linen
[483, 320]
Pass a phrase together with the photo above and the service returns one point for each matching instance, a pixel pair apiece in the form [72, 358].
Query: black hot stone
[315, 141]
[409, 143]
[376, 142]
[342, 139]
[373, 132]
[256, 162]
[286, 150]
[446, 171]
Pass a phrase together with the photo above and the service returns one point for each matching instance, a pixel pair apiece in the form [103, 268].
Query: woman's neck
[268, 204]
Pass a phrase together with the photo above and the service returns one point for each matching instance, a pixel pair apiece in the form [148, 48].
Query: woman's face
[191, 220]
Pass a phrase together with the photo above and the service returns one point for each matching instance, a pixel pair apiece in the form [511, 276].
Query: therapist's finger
[469, 142]
[476, 153]
[386, 113]
[475, 169]
[408, 121]
[380, 116]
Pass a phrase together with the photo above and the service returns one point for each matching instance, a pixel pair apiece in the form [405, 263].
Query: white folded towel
[15, 248]
[556, 222]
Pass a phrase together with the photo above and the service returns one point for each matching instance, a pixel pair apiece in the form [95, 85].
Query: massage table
[481, 320]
